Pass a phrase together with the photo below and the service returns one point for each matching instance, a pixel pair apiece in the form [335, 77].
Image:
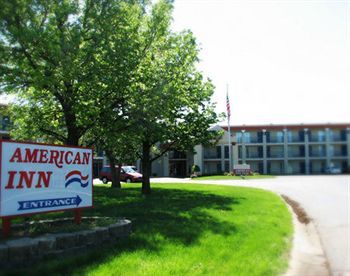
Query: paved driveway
[326, 199]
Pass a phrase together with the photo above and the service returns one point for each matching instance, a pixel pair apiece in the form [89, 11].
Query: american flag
[228, 109]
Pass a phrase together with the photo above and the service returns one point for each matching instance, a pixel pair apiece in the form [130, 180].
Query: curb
[307, 257]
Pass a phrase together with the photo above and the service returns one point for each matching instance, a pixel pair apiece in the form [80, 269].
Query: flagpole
[229, 132]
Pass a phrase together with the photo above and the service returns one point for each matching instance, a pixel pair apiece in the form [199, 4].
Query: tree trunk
[114, 173]
[146, 168]
[73, 132]
[117, 174]
[73, 137]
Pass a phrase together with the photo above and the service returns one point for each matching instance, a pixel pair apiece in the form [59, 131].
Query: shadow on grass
[177, 215]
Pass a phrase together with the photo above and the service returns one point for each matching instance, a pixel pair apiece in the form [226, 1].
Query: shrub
[195, 169]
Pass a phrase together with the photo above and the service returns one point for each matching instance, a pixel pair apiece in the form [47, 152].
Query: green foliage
[46, 48]
[122, 58]
[109, 73]
[195, 169]
[173, 106]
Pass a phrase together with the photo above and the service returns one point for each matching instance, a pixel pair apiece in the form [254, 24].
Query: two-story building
[268, 149]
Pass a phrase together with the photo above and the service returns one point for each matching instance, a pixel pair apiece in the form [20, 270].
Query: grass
[232, 177]
[184, 229]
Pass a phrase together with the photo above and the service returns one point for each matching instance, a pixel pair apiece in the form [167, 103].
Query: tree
[119, 146]
[41, 52]
[87, 69]
[128, 41]
[54, 57]
[171, 103]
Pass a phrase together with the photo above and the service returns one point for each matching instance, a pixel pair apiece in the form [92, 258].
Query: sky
[285, 61]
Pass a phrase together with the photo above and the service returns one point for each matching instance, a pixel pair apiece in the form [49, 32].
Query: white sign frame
[41, 178]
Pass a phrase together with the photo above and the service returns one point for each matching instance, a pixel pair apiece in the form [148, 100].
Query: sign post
[40, 178]
[77, 216]
[6, 227]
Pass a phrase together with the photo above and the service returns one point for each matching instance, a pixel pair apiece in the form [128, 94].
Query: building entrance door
[177, 168]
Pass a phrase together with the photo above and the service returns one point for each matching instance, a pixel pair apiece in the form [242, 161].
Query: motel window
[226, 152]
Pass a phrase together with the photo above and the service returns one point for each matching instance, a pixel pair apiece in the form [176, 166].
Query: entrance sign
[242, 169]
[36, 178]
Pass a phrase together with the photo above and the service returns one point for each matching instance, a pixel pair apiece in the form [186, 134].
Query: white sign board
[241, 169]
[36, 178]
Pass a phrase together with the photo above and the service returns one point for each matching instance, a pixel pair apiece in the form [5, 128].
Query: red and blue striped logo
[76, 176]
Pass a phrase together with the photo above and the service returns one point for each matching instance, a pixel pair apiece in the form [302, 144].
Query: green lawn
[184, 229]
[228, 177]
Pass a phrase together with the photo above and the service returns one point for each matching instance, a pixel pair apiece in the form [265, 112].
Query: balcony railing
[275, 140]
[337, 139]
[317, 154]
[295, 139]
[253, 140]
[338, 154]
[275, 155]
[295, 154]
[317, 138]
[254, 155]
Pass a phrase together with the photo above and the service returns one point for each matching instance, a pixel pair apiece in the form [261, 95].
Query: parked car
[333, 170]
[132, 167]
[127, 174]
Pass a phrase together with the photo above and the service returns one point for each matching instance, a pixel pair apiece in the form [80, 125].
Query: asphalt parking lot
[326, 199]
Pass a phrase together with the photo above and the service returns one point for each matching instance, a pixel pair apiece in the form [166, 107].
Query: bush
[195, 169]
[229, 174]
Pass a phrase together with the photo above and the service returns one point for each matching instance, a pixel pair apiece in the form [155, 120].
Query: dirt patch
[298, 210]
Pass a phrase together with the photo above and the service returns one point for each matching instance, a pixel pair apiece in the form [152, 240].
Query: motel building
[268, 149]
